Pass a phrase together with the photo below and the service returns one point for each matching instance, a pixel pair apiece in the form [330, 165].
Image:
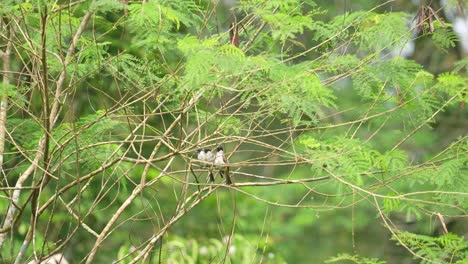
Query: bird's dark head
[199, 150]
[206, 150]
[218, 149]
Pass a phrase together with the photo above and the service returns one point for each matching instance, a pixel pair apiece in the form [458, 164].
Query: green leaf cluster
[448, 248]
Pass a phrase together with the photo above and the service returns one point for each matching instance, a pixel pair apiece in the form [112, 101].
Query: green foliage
[452, 174]
[210, 65]
[180, 250]
[91, 59]
[317, 116]
[354, 259]
[453, 84]
[339, 64]
[297, 93]
[338, 29]
[444, 38]
[367, 30]
[135, 73]
[397, 72]
[287, 19]
[154, 23]
[226, 125]
[90, 132]
[391, 204]
[379, 31]
[107, 6]
[12, 7]
[7, 89]
[13, 92]
[461, 65]
[351, 158]
[448, 248]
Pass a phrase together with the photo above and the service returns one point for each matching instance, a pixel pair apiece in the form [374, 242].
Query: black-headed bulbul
[201, 155]
[205, 155]
[209, 157]
[220, 162]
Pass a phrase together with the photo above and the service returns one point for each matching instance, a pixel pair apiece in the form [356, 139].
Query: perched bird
[201, 155]
[209, 157]
[220, 162]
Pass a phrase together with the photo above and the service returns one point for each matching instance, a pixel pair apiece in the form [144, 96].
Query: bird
[220, 162]
[207, 157]
[201, 155]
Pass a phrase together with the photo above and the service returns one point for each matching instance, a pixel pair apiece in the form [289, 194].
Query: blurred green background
[297, 223]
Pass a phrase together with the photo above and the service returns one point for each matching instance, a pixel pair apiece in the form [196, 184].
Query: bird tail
[228, 178]
[210, 173]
